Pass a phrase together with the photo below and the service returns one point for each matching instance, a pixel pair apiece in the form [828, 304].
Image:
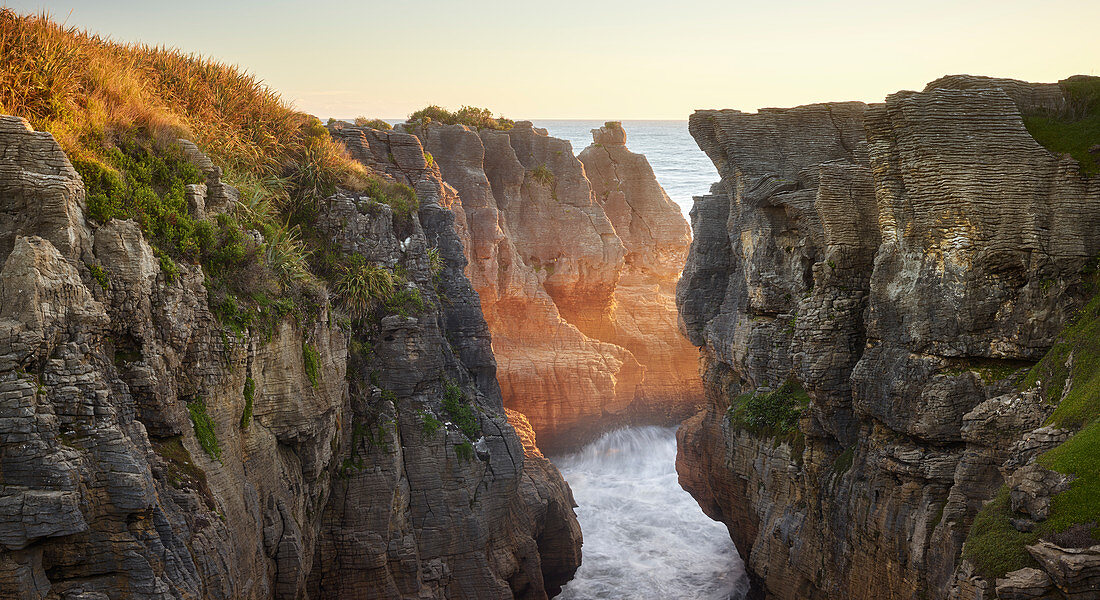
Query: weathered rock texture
[577, 286]
[899, 261]
[332, 489]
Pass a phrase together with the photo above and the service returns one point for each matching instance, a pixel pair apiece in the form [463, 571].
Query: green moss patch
[204, 428]
[1080, 504]
[775, 413]
[311, 360]
[993, 545]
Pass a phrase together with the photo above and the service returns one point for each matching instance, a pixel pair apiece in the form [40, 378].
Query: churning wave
[644, 536]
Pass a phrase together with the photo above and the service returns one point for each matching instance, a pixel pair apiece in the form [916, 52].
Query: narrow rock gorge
[875, 290]
[153, 452]
[575, 262]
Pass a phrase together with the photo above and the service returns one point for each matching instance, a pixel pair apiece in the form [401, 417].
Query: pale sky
[637, 59]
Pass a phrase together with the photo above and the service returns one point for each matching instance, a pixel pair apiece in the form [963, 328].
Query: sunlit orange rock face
[576, 272]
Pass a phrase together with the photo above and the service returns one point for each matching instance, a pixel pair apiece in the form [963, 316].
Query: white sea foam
[644, 536]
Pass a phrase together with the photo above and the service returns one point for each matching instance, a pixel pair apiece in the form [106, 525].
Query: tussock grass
[118, 110]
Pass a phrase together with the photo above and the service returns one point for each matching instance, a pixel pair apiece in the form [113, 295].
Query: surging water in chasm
[644, 536]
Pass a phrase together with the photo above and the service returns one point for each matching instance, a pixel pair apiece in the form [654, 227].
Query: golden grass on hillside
[83, 88]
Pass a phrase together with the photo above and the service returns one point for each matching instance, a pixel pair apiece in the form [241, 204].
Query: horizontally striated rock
[325, 481]
[42, 194]
[900, 262]
[577, 289]
[642, 317]
[1074, 571]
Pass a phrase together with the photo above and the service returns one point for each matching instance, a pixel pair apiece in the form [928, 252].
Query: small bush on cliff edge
[471, 116]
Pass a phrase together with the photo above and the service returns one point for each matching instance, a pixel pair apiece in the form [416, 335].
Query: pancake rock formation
[150, 453]
[575, 263]
[870, 285]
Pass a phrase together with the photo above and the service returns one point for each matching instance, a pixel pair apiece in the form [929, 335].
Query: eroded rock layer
[575, 263]
[902, 263]
[323, 480]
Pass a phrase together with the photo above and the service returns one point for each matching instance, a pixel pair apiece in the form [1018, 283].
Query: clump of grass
[100, 275]
[464, 450]
[249, 396]
[372, 123]
[776, 411]
[1076, 129]
[118, 110]
[406, 302]
[204, 428]
[435, 261]
[361, 286]
[543, 175]
[429, 159]
[479, 118]
[460, 412]
[311, 360]
[401, 198]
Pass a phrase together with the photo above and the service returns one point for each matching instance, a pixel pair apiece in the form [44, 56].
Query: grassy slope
[1076, 129]
[1069, 376]
[118, 110]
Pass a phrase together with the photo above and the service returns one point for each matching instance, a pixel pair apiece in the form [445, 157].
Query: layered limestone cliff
[575, 262]
[149, 452]
[869, 284]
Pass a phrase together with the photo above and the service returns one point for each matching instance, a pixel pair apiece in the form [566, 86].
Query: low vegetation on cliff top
[470, 116]
[1075, 130]
[118, 111]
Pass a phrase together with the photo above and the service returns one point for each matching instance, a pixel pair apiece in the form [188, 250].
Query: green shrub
[204, 428]
[372, 123]
[311, 359]
[400, 197]
[406, 301]
[543, 175]
[100, 275]
[249, 396]
[460, 411]
[464, 450]
[479, 118]
[429, 159]
[774, 412]
[428, 422]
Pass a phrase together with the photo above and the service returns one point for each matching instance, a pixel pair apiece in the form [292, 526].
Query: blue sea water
[681, 167]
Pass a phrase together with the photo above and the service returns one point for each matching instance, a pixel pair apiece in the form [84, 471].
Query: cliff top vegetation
[1075, 130]
[119, 111]
[470, 116]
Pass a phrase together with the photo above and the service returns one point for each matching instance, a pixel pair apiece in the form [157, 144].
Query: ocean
[681, 167]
